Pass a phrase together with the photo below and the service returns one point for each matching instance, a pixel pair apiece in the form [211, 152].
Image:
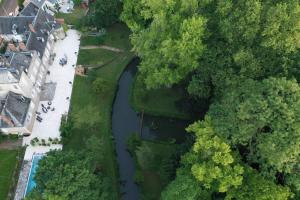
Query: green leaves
[69, 175]
[171, 42]
[281, 27]
[216, 167]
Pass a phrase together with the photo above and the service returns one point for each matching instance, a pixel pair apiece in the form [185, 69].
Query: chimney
[12, 47]
[31, 28]
[22, 46]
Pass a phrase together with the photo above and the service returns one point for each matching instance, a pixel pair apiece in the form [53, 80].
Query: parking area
[62, 76]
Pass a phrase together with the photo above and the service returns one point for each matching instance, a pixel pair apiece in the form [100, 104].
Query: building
[46, 5]
[30, 39]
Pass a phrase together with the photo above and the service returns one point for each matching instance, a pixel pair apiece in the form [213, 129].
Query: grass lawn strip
[91, 112]
[8, 167]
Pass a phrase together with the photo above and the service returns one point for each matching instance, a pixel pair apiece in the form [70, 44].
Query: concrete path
[63, 77]
[103, 47]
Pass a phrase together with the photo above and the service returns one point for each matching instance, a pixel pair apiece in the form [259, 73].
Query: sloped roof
[30, 10]
[43, 25]
[14, 109]
[21, 24]
[12, 66]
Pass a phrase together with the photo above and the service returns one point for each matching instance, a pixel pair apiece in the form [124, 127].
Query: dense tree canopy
[243, 56]
[103, 13]
[69, 175]
[168, 36]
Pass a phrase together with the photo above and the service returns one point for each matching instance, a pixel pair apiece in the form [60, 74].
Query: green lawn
[8, 166]
[158, 102]
[95, 56]
[150, 158]
[114, 37]
[73, 18]
[91, 40]
[91, 112]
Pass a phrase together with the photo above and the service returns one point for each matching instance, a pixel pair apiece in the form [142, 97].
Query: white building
[24, 66]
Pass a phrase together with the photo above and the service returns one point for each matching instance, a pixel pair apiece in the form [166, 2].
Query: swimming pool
[31, 183]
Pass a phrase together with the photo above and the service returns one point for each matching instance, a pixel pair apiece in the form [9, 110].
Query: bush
[139, 177]
[100, 85]
[133, 142]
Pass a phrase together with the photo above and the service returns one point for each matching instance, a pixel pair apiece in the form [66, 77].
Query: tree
[104, 13]
[255, 187]
[185, 186]
[69, 175]
[263, 122]
[215, 168]
[170, 44]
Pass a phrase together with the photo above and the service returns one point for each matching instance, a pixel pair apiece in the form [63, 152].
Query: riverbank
[91, 110]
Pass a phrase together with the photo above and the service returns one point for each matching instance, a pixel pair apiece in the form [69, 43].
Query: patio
[63, 76]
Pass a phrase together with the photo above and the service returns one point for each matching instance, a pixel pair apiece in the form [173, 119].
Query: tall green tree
[168, 36]
[69, 175]
[104, 13]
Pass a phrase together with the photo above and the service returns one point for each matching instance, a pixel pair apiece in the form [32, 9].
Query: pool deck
[63, 76]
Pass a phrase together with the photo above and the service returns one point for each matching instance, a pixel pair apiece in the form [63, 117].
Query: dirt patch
[11, 144]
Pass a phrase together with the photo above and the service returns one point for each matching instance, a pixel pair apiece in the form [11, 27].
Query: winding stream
[125, 121]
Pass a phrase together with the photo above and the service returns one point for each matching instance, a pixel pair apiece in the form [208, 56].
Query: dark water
[125, 121]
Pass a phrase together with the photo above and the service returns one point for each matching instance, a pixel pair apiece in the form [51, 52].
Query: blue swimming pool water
[31, 183]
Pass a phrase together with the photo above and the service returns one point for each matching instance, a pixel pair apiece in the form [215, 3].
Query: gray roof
[30, 10]
[12, 65]
[38, 3]
[20, 23]
[43, 25]
[14, 110]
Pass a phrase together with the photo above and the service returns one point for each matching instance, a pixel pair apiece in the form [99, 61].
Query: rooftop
[13, 110]
[42, 25]
[15, 25]
[13, 64]
[30, 10]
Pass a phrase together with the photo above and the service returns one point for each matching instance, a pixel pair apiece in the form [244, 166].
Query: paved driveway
[49, 127]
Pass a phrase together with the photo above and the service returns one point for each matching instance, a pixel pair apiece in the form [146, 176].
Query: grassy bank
[157, 102]
[10, 161]
[73, 18]
[91, 111]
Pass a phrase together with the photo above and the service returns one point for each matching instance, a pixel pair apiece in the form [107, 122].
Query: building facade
[30, 39]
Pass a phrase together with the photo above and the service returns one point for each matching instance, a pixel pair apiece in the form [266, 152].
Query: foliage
[100, 85]
[158, 102]
[20, 3]
[214, 167]
[69, 175]
[92, 112]
[65, 128]
[104, 13]
[242, 57]
[171, 41]
[256, 187]
[133, 142]
[264, 120]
